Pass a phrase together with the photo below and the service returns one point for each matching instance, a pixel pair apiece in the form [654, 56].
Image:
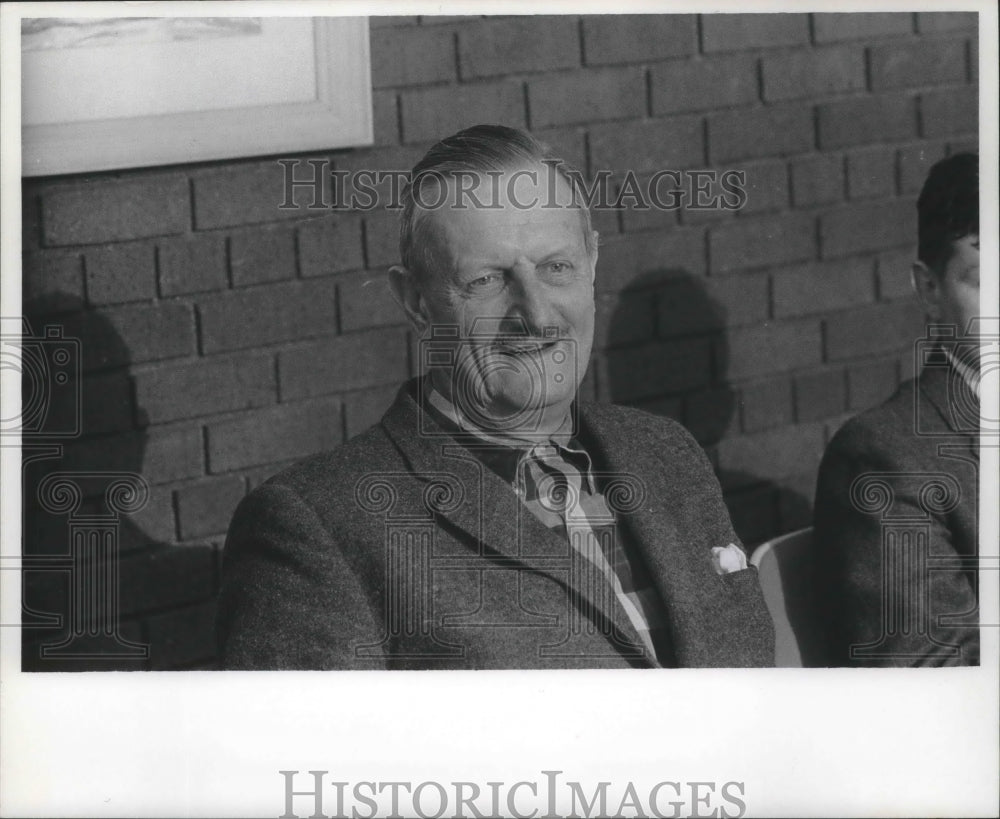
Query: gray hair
[479, 149]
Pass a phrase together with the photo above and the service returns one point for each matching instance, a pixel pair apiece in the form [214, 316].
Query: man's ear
[595, 239]
[927, 285]
[406, 291]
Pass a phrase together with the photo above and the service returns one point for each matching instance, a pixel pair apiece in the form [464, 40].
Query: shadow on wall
[98, 592]
[683, 375]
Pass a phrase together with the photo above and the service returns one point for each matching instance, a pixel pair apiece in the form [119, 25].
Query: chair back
[786, 566]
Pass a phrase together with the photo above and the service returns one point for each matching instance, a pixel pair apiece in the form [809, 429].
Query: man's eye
[489, 280]
[558, 267]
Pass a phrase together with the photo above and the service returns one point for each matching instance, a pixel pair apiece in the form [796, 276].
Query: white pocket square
[728, 559]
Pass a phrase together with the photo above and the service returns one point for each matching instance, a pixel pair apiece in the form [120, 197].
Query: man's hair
[479, 149]
[948, 208]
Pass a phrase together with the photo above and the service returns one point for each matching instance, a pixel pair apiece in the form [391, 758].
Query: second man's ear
[927, 285]
[406, 291]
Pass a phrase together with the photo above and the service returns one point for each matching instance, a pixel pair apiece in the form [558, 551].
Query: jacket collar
[491, 516]
[954, 401]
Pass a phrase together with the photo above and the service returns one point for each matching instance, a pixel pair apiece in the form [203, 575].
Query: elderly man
[897, 496]
[492, 520]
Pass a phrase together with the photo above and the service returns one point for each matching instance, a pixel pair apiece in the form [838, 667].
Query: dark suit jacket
[897, 560]
[399, 550]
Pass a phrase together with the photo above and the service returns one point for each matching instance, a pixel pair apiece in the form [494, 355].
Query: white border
[806, 742]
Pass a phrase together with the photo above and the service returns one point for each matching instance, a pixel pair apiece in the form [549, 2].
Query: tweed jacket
[401, 550]
[913, 463]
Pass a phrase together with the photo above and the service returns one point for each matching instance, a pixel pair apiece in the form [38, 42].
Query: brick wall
[224, 337]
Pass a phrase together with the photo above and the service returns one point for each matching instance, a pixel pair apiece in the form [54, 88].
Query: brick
[274, 434]
[160, 454]
[655, 369]
[871, 173]
[925, 62]
[822, 286]
[170, 576]
[267, 315]
[973, 59]
[488, 48]
[364, 408]
[629, 38]
[671, 143]
[774, 347]
[106, 403]
[740, 32]
[348, 362]
[893, 274]
[934, 22]
[135, 334]
[51, 281]
[430, 114]
[152, 525]
[214, 384]
[761, 241]
[639, 260]
[623, 319]
[260, 256]
[387, 20]
[586, 96]
[817, 180]
[567, 143]
[638, 211]
[381, 232]
[192, 265]
[760, 132]
[766, 186]
[182, 637]
[116, 211]
[725, 81]
[331, 244]
[365, 301]
[873, 330]
[120, 273]
[205, 508]
[712, 414]
[814, 73]
[865, 227]
[914, 163]
[868, 119]
[773, 454]
[766, 404]
[871, 382]
[950, 111]
[689, 305]
[411, 56]
[385, 118]
[820, 394]
[828, 28]
[173, 453]
[249, 194]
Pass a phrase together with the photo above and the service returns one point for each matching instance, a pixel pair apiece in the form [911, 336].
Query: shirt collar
[971, 375]
[505, 454]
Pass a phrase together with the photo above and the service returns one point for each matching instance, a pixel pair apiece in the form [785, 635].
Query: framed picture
[102, 93]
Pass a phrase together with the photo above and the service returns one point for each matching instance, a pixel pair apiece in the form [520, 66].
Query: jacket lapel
[953, 401]
[491, 520]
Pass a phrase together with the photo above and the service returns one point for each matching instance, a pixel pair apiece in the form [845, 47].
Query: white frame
[340, 116]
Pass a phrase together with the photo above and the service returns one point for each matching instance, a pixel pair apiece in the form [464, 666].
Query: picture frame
[134, 103]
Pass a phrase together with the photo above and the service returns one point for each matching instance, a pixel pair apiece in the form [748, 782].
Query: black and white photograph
[632, 362]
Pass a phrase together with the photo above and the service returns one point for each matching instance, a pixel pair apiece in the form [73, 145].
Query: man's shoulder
[889, 428]
[330, 471]
[634, 421]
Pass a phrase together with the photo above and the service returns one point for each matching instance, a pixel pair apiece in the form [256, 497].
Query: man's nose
[531, 305]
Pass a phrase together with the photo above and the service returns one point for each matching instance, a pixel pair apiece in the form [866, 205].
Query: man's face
[518, 282]
[960, 284]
